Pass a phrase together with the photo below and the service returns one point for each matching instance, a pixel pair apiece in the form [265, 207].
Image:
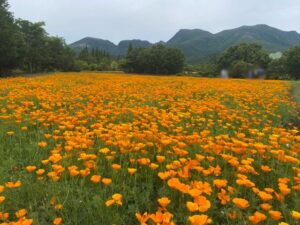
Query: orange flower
[192, 207]
[160, 158]
[104, 151]
[143, 161]
[194, 192]
[40, 172]
[142, 218]
[264, 196]
[276, 215]
[30, 169]
[266, 206]
[241, 203]
[57, 221]
[153, 166]
[4, 216]
[266, 168]
[58, 206]
[257, 218]
[2, 199]
[200, 220]
[164, 202]
[73, 172]
[21, 213]
[203, 203]
[96, 179]
[1, 188]
[220, 183]
[109, 202]
[116, 199]
[223, 197]
[204, 187]
[106, 181]
[42, 144]
[13, 185]
[116, 166]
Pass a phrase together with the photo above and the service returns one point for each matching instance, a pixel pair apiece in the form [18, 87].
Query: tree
[94, 59]
[157, 59]
[58, 56]
[292, 62]
[245, 56]
[277, 70]
[35, 38]
[10, 40]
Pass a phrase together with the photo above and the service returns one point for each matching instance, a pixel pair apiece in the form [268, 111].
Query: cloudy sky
[153, 20]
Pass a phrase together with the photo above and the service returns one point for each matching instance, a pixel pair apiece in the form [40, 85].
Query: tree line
[250, 60]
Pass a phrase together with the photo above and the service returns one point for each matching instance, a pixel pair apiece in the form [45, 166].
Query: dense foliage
[292, 62]
[26, 46]
[96, 60]
[9, 39]
[243, 58]
[157, 59]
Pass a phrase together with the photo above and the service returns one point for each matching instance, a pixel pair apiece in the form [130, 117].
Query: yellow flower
[296, 215]
[131, 170]
[10, 133]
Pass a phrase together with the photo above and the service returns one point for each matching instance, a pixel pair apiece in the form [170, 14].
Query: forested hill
[199, 45]
[105, 45]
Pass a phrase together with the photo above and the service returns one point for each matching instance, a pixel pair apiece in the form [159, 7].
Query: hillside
[115, 50]
[199, 45]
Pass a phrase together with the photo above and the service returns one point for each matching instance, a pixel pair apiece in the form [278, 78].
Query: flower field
[93, 149]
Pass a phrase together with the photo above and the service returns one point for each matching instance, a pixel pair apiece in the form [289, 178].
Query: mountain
[123, 45]
[105, 45]
[199, 45]
[94, 43]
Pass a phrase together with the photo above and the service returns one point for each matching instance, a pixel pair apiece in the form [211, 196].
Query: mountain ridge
[199, 45]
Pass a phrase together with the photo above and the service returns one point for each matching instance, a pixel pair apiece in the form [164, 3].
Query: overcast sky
[153, 20]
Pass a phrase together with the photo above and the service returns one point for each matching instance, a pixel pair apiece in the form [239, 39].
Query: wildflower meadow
[89, 149]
